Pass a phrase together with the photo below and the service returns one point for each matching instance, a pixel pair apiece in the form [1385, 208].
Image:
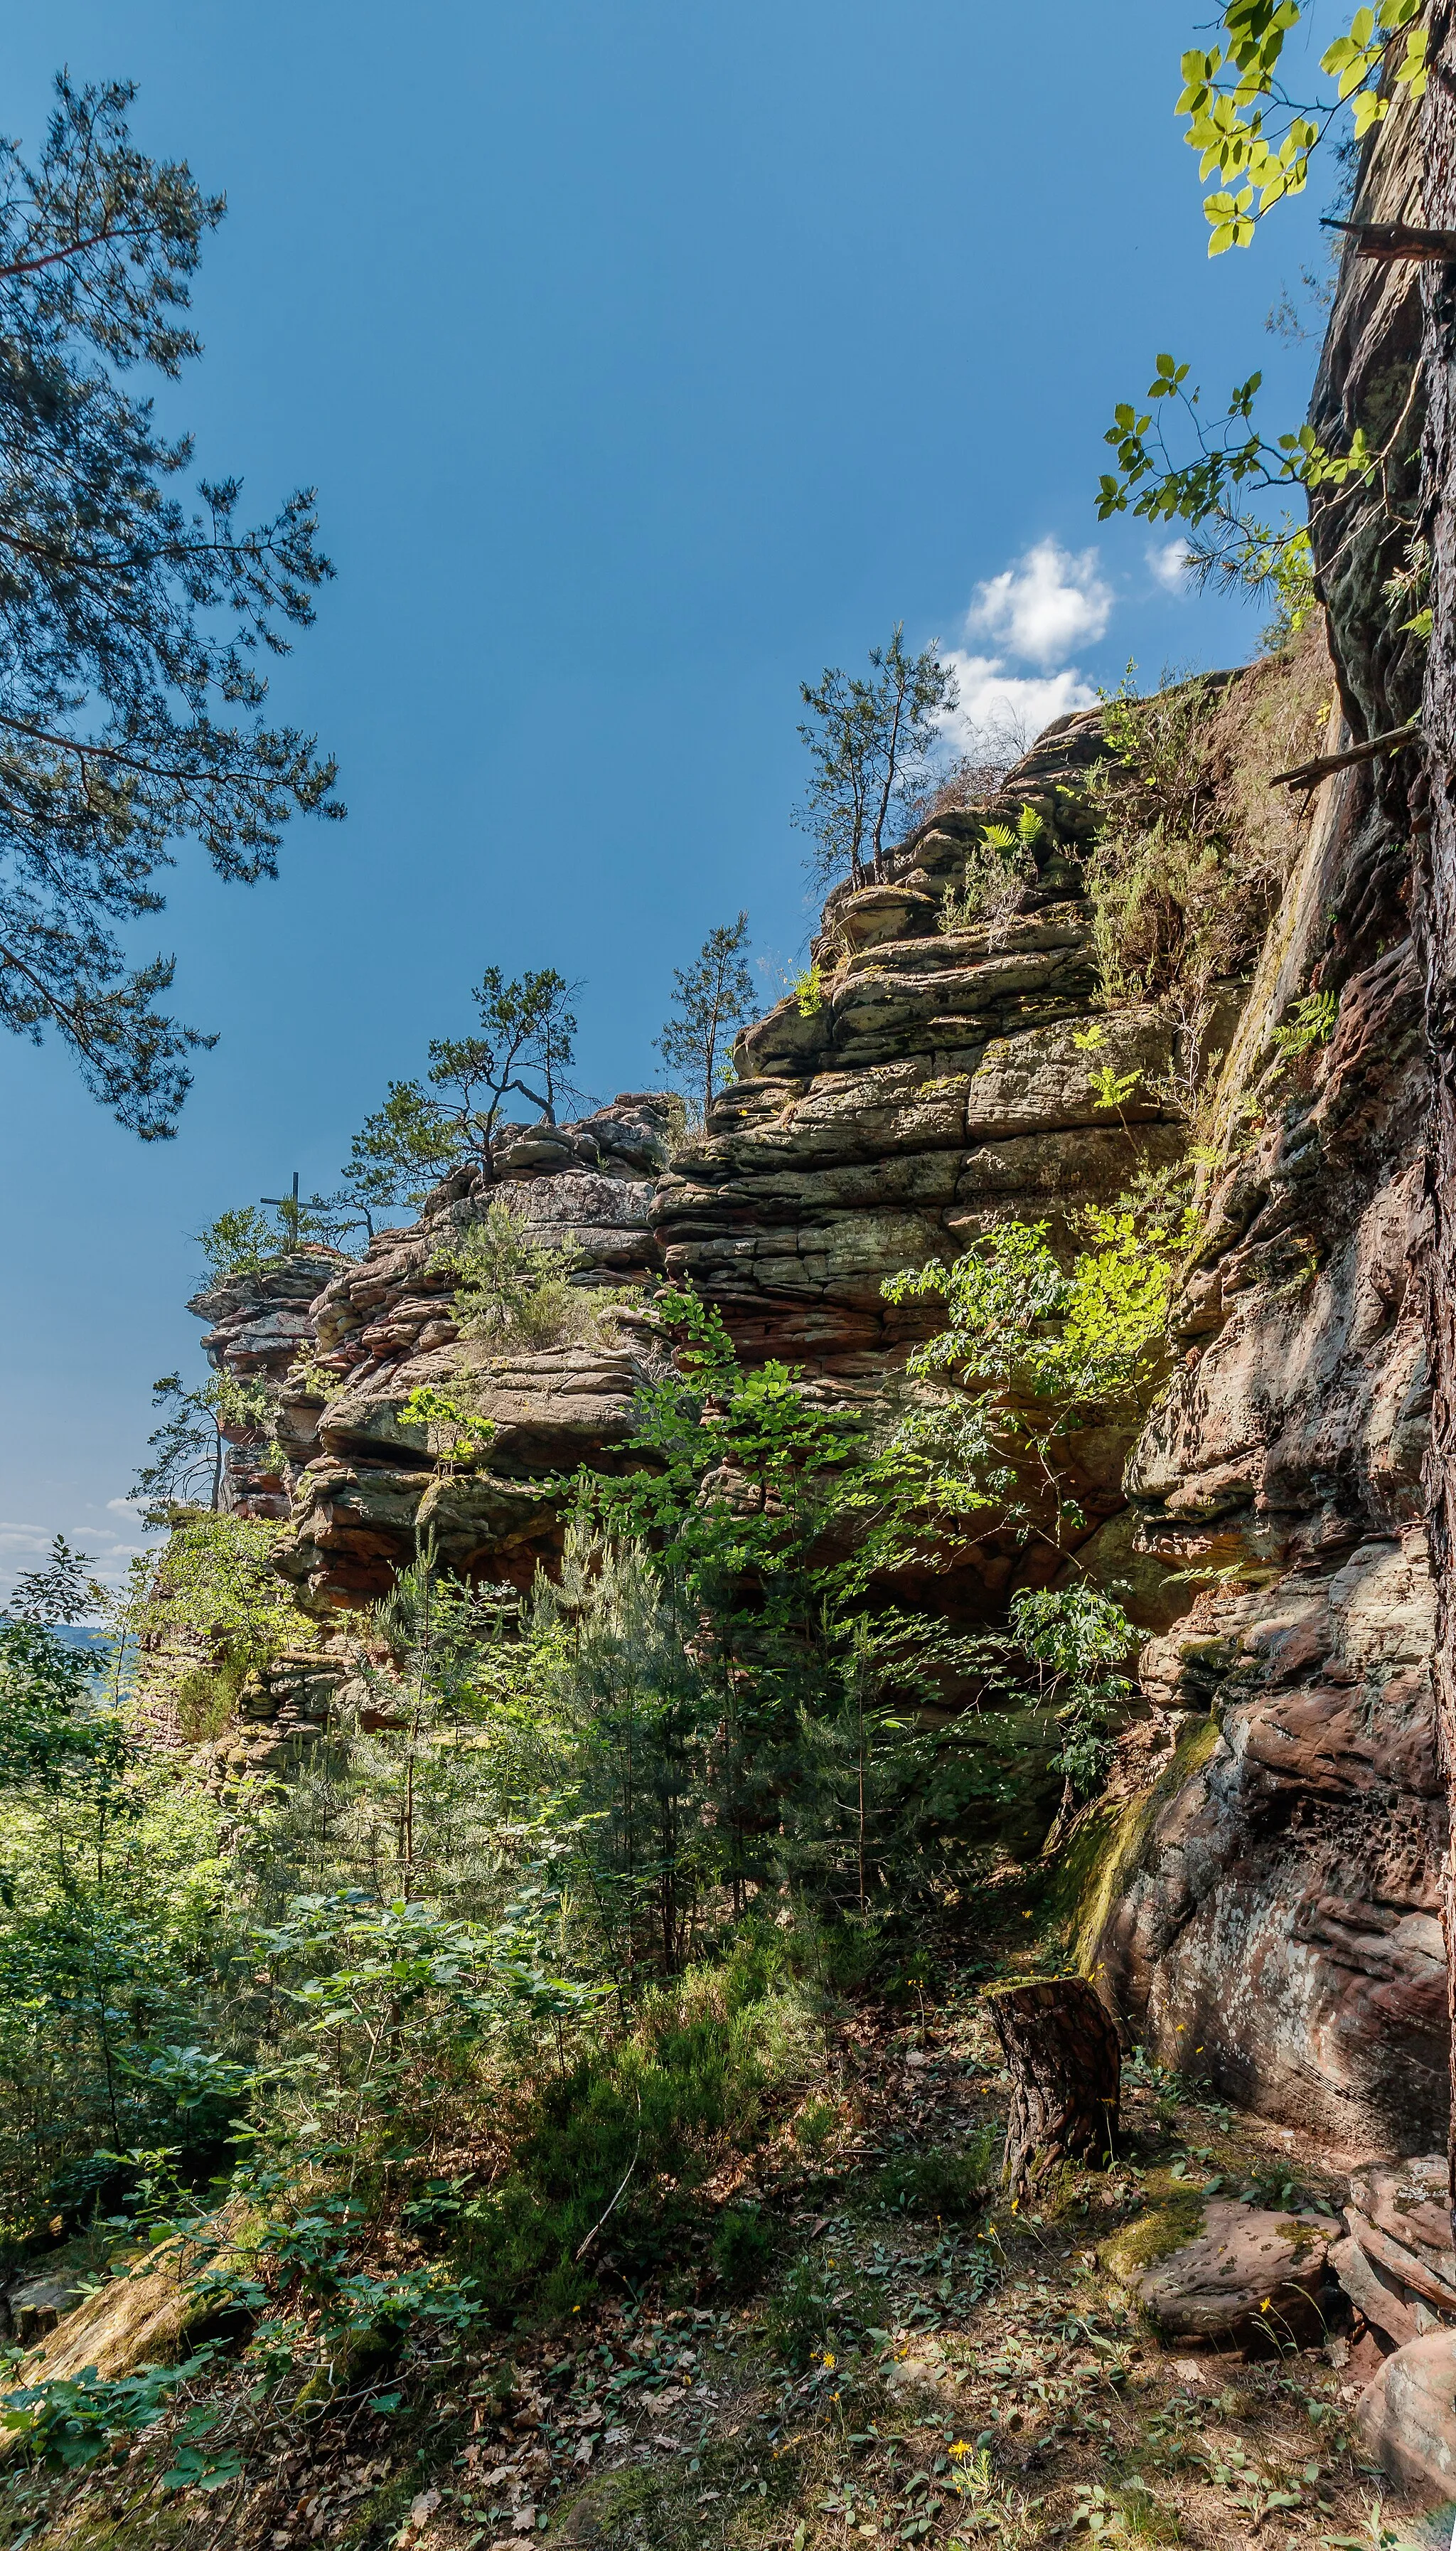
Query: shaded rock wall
[1284, 1910]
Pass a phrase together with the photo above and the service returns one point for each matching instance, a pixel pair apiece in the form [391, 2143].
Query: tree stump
[1061, 2046]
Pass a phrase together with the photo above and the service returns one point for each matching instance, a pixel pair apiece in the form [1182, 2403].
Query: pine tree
[131, 699]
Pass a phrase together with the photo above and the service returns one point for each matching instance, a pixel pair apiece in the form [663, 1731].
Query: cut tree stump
[1061, 2046]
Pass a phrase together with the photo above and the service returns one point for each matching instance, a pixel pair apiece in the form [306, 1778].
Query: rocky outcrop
[1407, 2418]
[935, 1084]
[362, 1479]
[260, 1321]
[1245, 2272]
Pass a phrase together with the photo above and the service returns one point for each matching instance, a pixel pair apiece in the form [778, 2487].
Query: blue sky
[646, 359]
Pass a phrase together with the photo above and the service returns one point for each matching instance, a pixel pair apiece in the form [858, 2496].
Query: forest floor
[900, 2376]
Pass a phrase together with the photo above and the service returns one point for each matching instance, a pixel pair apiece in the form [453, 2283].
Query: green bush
[743, 2248]
[801, 2315]
[942, 2182]
[640, 2121]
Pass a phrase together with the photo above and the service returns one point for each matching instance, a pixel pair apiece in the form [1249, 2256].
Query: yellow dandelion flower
[959, 2450]
[828, 2365]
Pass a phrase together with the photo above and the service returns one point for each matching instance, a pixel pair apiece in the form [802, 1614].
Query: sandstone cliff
[1279, 1909]
[1262, 1882]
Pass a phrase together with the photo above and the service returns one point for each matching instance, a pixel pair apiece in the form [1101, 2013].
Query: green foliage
[801, 2316]
[512, 1291]
[458, 1437]
[650, 2113]
[997, 871]
[186, 1447]
[1209, 486]
[1077, 1637]
[948, 2182]
[1309, 1024]
[713, 998]
[1091, 1339]
[51, 1734]
[870, 745]
[523, 1044]
[525, 1026]
[214, 1584]
[59, 1591]
[240, 1241]
[743, 2248]
[66, 2425]
[112, 1956]
[781, 1733]
[807, 990]
[402, 1150]
[1233, 89]
[1176, 908]
[135, 629]
[1113, 1088]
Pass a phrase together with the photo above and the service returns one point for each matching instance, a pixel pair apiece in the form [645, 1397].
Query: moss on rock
[1172, 2217]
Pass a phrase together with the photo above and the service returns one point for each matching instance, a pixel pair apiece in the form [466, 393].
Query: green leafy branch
[1232, 460]
[1252, 135]
[1229, 457]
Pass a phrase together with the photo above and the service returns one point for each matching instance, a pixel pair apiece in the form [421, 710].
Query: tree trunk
[1435, 912]
[1065, 2063]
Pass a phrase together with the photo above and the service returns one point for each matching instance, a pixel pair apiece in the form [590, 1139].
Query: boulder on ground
[1397, 2266]
[1249, 2269]
[1407, 2416]
[1387, 2305]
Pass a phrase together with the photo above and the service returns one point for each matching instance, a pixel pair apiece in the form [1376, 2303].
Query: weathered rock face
[260, 1322]
[936, 1086]
[1246, 2270]
[1397, 2263]
[1407, 2417]
[362, 1479]
[1286, 1902]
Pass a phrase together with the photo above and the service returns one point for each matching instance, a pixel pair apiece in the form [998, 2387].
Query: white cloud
[1043, 606]
[1008, 708]
[1169, 563]
[25, 1546]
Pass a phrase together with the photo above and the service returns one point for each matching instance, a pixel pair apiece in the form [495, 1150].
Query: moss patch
[1172, 2217]
[661, 2506]
[1107, 1842]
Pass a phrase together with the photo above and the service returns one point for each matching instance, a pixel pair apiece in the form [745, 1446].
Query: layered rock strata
[259, 1321]
[935, 1083]
[1395, 2261]
[362, 1479]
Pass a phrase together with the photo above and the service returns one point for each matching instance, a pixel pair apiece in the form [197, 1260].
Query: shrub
[743, 2248]
[512, 1292]
[942, 2182]
[997, 871]
[801, 2314]
[635, 2126]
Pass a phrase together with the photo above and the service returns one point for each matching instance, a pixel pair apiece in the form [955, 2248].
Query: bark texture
[1435, 838]
[1061, 2047]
